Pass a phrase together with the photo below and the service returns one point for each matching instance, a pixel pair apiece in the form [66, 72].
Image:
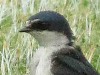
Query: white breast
[44, 65]
[41, 62]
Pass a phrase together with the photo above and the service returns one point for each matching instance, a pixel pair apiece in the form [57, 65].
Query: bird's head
[48, 26]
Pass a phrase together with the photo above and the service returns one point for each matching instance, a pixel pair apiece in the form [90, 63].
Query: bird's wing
[71, 62]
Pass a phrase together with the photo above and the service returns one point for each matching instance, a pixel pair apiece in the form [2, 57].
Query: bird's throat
[47, 38]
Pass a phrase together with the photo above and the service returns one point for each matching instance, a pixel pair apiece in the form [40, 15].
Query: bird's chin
[35, 34]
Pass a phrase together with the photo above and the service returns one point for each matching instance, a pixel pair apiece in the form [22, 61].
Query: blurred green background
[16, 49]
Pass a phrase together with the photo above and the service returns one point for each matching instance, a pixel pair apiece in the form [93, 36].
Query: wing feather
[71, 61]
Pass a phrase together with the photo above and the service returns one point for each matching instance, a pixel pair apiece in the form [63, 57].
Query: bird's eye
[44, 26]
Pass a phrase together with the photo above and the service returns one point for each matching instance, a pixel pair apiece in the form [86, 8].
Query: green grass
[16, 49]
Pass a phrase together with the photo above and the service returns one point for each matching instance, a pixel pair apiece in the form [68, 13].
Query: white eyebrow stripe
[32, 21]
[35, 20]
[28, 21]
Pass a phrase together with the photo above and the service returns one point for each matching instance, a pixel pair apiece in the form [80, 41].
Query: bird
[57, 53]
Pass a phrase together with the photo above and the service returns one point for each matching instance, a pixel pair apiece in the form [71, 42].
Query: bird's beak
[25, 29]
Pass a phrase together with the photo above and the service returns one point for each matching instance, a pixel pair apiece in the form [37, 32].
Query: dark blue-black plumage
[71, 61]
[52, 21]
